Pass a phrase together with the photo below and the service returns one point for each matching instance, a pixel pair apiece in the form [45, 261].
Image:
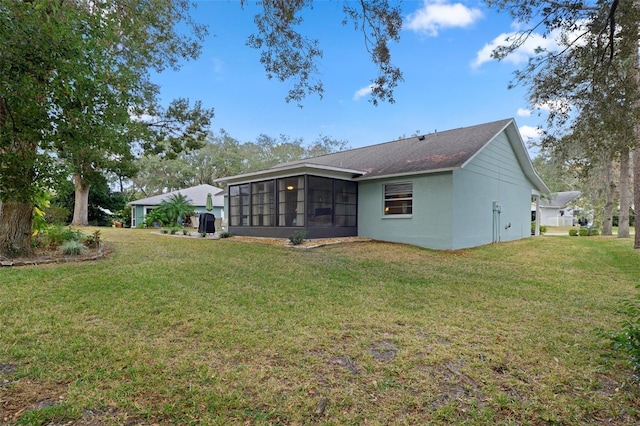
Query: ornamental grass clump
[72, 248]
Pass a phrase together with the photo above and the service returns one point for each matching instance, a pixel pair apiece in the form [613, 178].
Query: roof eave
[397, 175]
[291, 170]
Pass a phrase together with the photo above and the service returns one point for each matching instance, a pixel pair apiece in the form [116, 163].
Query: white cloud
[365, 91]
[145, 118]
[528, 133]
[556, 105]
[528, 49]
[532, 44]
[436, 15]
[523, 112]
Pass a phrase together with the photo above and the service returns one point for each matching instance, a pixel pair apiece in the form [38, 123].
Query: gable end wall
[493, 175]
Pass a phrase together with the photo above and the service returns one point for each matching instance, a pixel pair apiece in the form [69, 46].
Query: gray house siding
[469, 186]
[428, 226]
[455, 210]
[494, 175]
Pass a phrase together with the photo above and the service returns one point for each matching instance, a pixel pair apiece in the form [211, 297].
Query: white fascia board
[397, 175]
[292, 170]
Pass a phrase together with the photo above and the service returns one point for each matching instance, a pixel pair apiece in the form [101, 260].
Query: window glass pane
[320, 203]
[239, 205]
[263, 204]
[398, 198]
[346, 202]
[291, 201]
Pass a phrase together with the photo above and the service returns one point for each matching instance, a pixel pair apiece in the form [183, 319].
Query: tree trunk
[15, 229]
[81, 204]
[623, 215]
[610, 194]
[636, 190]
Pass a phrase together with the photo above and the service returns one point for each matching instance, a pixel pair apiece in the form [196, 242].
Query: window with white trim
[398, 198]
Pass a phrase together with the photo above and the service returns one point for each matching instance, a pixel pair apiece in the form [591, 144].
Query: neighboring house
[197, 196]
[557, 211]
[445, 190]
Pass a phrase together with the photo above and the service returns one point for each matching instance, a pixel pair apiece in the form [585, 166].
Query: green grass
[198, 331]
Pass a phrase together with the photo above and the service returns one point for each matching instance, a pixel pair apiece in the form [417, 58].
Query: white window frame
[389, 195]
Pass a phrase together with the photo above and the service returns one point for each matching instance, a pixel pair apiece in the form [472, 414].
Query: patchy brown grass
[195, 331]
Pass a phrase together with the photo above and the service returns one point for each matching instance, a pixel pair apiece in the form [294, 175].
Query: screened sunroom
[323, 205]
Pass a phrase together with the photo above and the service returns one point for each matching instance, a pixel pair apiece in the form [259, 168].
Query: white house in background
[558, 210]
[197, 196]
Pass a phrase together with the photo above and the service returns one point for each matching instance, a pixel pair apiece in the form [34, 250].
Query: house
[197, 196]
[445, 190]
[557, 210]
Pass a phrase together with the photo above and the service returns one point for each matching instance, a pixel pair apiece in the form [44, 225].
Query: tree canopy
[74, 77]
[589, 82]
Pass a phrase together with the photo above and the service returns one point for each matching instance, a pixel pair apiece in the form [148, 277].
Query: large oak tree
[591, 80]
[74, 76]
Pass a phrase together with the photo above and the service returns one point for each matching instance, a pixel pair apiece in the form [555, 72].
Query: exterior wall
[428, 226]
[455, 210]
[494, 175]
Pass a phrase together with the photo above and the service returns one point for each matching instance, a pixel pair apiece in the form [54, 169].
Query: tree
[288, 55]
[221, 156]
[69, 71]
[68, 68]
[555, 173]
[177, 207]
[179, 128]
[594, 74]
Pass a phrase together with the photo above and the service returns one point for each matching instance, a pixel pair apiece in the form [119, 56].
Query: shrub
[174, 231]
[594, 231]
[203, 234]
[543, 228]
[628, 339]
[55, 235]
[185, 232]
[93, 240]
[583, 232]
[224, 234]
[165, 231]
[573, 232]
[298, 238]
[72, 248]
[155, 218]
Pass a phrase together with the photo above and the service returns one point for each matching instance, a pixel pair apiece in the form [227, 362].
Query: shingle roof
[435, 151]
[438, 151]
[197, 194]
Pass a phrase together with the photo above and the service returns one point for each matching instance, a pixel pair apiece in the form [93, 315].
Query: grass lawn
[170, 330]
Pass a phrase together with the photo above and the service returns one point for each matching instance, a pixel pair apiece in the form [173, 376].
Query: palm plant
[177, 207]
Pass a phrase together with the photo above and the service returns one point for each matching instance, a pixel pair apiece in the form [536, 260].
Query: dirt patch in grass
[26, 395]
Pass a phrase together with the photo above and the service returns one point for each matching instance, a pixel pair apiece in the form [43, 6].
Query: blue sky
[449, 79]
